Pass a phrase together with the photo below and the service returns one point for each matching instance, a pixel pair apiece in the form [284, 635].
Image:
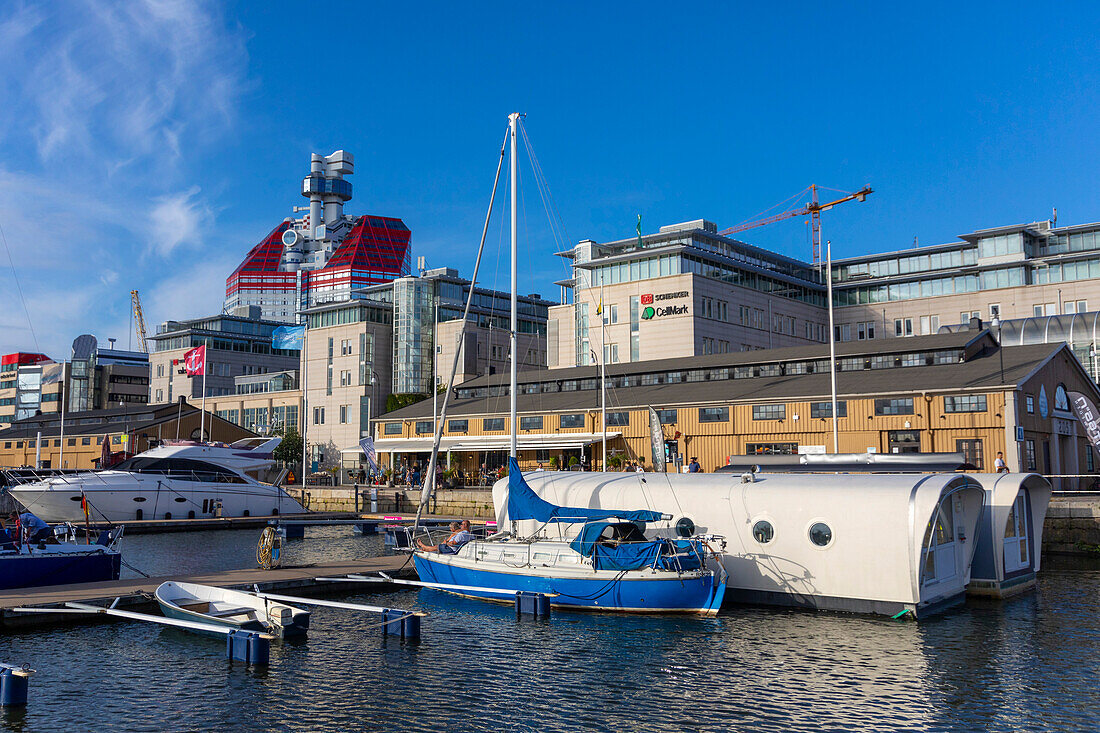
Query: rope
[131, 567]
[264, 549]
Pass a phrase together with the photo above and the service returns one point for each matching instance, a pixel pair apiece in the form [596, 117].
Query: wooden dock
[154, 526]
[137, 594]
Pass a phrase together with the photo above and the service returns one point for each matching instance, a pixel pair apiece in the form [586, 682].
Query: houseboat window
[618, 418]
[685, 527]
[763, 532]
[492, 423]
[393, 428]
[530, 423]
[573, 420]
[820, 534]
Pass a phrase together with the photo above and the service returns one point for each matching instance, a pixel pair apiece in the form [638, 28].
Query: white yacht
[179, 479]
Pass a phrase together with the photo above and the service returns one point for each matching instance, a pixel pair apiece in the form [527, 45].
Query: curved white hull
[122, 497]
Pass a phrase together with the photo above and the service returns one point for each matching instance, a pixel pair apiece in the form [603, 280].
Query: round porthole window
[685, 527]
[820, 534]
[763, 532]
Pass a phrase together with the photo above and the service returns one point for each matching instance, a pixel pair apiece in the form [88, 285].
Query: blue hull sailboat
[609, 565]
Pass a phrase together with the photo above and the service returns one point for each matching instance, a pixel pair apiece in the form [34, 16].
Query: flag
[367, 444]
[288, 337]
[1089, 416]
[639, 230]
[194, 361]
[599, 306]
[656, 441]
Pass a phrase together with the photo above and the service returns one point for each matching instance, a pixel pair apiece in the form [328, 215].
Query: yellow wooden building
[958, 392]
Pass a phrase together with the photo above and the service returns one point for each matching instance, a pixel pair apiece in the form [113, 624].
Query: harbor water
[1031, 663]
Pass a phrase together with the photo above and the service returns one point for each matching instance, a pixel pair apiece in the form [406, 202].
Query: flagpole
[202, 415]
[61, 397]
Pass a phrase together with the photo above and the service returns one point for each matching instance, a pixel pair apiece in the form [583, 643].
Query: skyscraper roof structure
[324, 255]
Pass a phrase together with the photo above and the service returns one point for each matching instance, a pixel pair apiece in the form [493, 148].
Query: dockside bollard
[532, 604]
[396, 622]
[13, 685]
[248, 647]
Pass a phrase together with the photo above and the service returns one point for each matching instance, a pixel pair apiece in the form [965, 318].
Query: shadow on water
[1029, 663]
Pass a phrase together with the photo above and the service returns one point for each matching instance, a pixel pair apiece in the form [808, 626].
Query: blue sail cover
[523, 503]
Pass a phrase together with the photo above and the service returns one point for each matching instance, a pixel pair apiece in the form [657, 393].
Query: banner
[367, 444]
[1088, 415]
[194, 361]
[288, 337]
[656, 441]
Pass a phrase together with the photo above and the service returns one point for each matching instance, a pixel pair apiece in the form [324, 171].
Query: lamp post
[1092, 358]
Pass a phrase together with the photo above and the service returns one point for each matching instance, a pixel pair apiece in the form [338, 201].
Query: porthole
[820, 534]
[685, 527]
[763, 531]
[180, 499]
[168, 515]
[74, 498]
[139, 498]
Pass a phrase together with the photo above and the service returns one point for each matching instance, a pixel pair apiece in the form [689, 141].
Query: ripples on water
[1027, 664]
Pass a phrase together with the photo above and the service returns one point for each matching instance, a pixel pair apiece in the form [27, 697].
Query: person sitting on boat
[35, 529]
[460, 535]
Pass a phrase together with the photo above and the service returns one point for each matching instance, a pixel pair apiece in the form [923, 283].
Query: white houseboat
[1010, 534]
[885, 544]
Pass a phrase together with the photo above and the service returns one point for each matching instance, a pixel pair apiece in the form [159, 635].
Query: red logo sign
[647, 299]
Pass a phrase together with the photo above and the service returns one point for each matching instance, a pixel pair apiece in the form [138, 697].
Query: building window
[424, 426]
[714, 414]
[769, 412]
[85, 441]
[1030, 402]
[965, 403]
[345, 347]
[904, 441]
[903, 326]
[345, 378]
[899, 406]
[1029, 454]
[771, 449]
[618, 418]
[344, 409]
[458, 426]
[825, 409]
[667, 417]
[160, 395]
[490, 424]
[392, 428]
[575, 420]
[530, 423]
[318, 416]
[611, 314]
[972, 452]
[865, 331]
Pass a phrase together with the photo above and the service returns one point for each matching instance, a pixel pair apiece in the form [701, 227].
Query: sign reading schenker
[651, 311]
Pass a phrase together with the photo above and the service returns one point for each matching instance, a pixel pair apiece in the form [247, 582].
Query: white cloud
[180, 218]
[107, 108]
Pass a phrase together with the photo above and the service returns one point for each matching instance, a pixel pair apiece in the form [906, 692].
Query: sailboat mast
[513, 121]
[603, 375]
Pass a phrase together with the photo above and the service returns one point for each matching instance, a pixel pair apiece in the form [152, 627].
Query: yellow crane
[139, 321]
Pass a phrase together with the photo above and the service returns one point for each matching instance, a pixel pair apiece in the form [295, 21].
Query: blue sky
[149, 144]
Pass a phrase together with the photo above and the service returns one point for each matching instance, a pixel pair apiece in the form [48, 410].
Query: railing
[26, 476]
[1072, 483]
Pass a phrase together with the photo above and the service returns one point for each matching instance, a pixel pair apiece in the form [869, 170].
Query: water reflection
[1027, 664]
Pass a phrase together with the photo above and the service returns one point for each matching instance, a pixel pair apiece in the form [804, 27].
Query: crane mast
[139, 321]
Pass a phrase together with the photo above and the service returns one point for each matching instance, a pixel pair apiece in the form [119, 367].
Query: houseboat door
[1016, 545]
[941, 545]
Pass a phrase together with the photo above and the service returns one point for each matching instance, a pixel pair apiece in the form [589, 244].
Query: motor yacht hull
[635, 591]
[122, 497]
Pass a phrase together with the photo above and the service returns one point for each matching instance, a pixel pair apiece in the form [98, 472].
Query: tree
[397, 401]
[290, 450]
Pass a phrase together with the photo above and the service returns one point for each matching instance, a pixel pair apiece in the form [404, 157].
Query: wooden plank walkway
[137, 593]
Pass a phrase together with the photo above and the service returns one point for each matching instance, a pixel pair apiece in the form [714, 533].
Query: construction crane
[139, 321]
[812, 208]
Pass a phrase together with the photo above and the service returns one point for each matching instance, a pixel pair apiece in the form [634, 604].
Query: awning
[471, 443]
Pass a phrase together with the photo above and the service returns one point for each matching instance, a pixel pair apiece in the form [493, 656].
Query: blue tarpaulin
[523, 503]
[624, 556]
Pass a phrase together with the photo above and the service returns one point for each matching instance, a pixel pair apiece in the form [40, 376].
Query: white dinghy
[223, 607]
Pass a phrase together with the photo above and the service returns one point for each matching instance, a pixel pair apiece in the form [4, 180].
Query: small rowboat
[224, 607]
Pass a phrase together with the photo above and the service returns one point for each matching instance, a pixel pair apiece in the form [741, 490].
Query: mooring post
[533, 604]
[396, 622]
[14, 684]
[249, 647]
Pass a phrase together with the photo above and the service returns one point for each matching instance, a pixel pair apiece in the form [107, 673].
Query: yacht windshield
[180, 469]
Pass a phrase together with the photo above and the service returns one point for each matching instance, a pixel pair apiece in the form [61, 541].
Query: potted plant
[387, 474]
[574, 461]
[555, 464]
